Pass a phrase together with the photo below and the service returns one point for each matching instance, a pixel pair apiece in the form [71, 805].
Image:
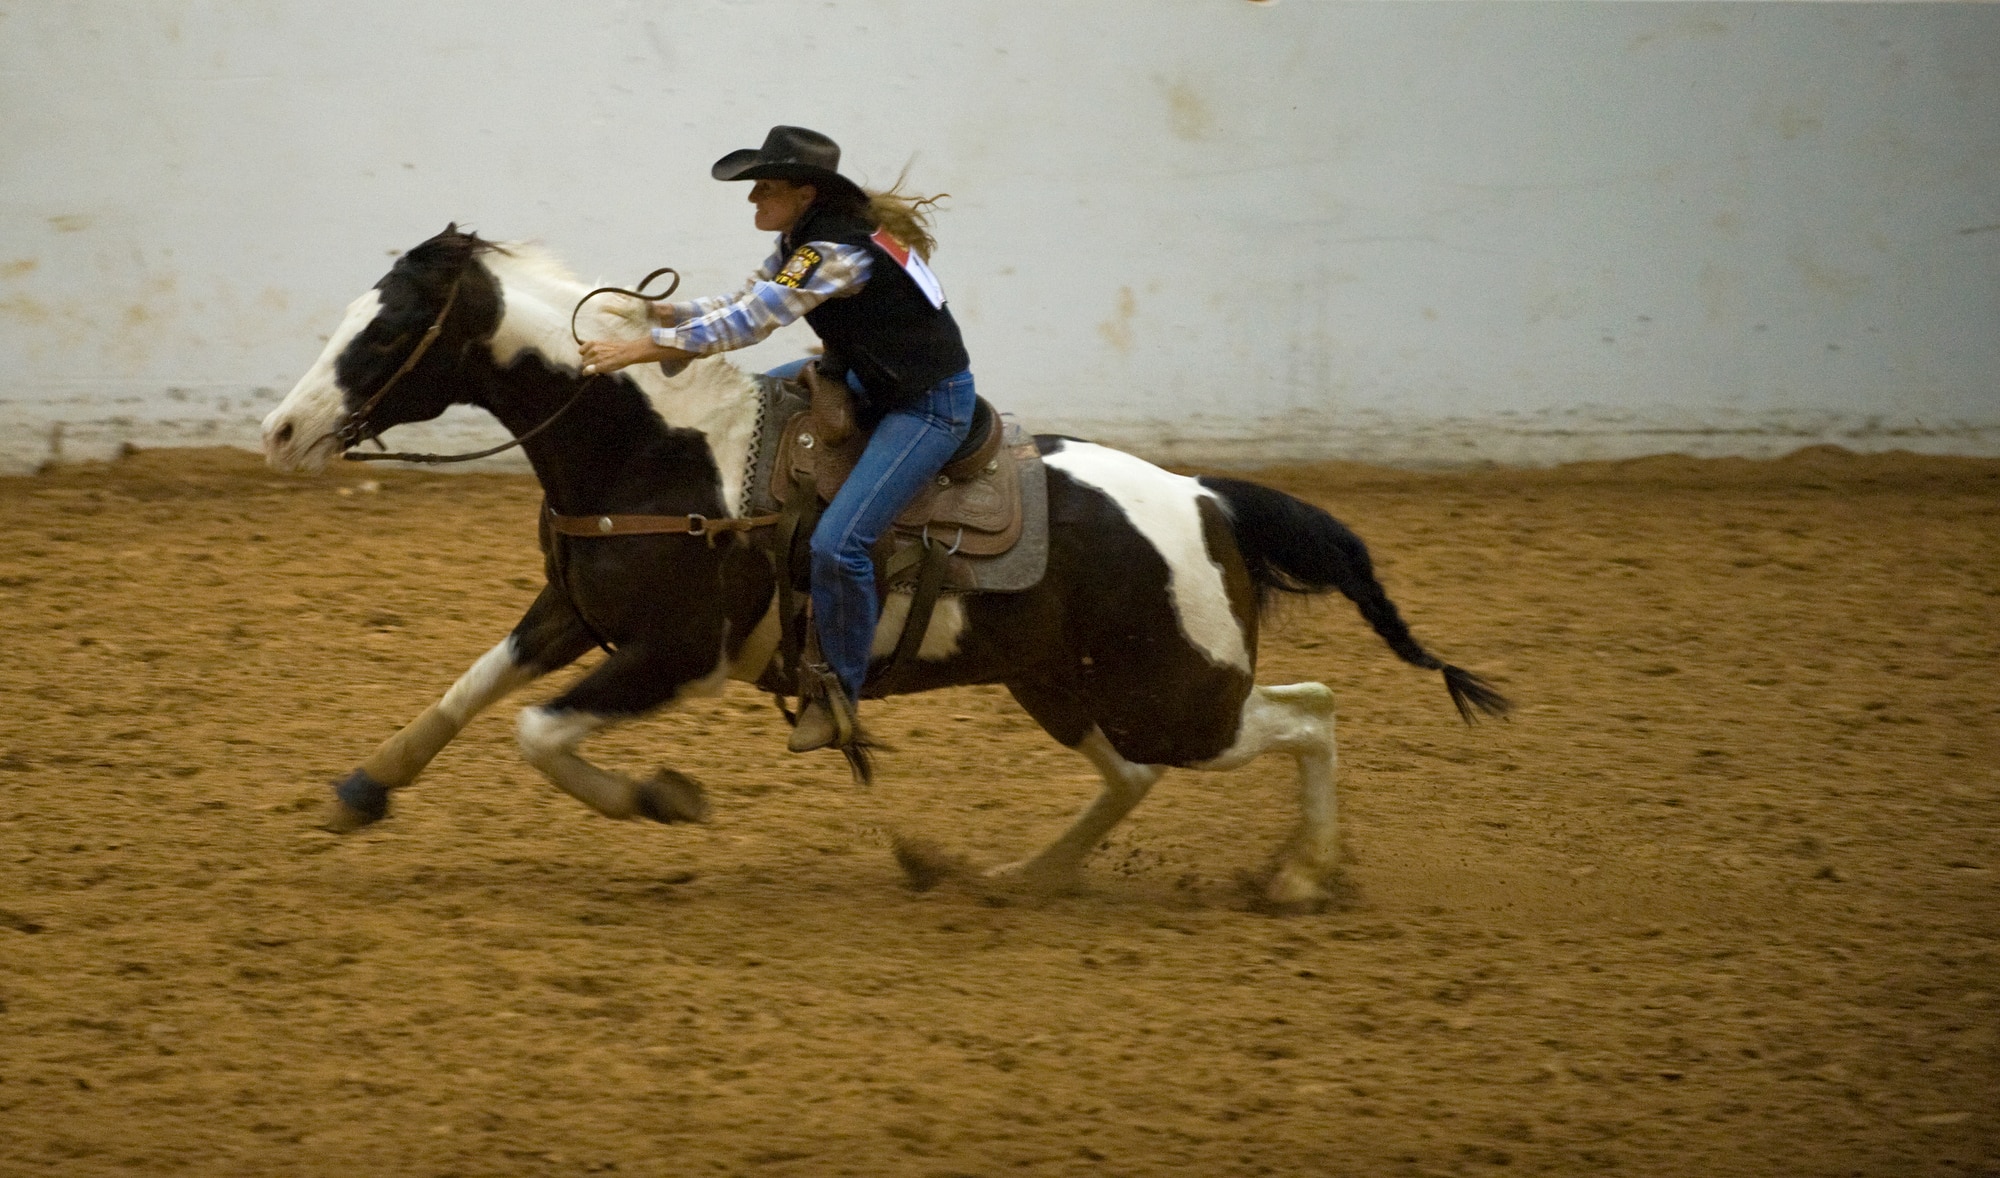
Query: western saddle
[953, 534]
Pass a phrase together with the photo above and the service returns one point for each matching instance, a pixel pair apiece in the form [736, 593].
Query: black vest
[888, 335]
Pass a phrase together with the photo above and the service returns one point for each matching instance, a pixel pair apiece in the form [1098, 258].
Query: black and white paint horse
[1138, 648]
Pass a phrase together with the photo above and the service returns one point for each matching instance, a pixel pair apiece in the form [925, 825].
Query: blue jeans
[791, 369]
[905, 452]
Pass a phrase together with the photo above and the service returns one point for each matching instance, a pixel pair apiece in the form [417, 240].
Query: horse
[1137, 648]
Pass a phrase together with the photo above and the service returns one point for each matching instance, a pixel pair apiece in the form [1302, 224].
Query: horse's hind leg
[629, 684]
[546, 638]
[1296, 719]
[1125, 786]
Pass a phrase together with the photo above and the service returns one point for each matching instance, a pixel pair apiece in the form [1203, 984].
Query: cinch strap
[654, 525]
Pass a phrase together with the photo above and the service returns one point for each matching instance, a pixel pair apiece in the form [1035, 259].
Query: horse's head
[392, 357]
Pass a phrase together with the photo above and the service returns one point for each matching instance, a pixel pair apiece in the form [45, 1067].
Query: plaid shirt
[783, 289]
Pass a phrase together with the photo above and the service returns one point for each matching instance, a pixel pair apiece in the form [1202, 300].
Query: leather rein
[357, 429]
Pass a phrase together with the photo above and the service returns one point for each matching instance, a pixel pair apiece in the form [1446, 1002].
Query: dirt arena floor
[1720, 900]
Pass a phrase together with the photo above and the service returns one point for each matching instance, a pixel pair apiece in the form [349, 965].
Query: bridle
[357, 428]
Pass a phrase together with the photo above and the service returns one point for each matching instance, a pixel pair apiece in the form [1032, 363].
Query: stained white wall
[1211, 229]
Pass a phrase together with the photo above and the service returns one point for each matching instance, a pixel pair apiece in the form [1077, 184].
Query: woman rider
[882, 317]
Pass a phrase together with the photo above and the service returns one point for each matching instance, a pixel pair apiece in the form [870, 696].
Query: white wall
[1210, 229]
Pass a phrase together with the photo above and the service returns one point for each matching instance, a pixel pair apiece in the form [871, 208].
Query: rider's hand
[609, 355]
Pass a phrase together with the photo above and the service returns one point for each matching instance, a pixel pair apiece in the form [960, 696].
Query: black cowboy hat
[789, 153]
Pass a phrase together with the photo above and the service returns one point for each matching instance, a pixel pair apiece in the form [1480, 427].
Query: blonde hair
[905, 215]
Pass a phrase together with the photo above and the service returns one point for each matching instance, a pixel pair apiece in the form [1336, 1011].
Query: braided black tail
[1290, 546]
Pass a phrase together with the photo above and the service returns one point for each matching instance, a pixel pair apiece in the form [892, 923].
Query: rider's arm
[669, 314]
[815, 272]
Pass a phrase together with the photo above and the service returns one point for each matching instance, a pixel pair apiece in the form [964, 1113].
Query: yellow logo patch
[799, 267]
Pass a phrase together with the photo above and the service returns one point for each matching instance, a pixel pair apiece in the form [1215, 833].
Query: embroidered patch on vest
[800, 268]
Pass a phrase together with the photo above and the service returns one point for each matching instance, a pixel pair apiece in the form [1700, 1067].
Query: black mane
[439, 258]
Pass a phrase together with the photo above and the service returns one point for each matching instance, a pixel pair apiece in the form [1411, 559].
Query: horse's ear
[449, 229]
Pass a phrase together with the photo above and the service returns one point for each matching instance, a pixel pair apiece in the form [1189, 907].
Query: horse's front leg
[548, 637]
[638, 679]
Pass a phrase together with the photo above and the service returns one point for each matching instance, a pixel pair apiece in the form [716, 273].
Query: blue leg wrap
[364, 795]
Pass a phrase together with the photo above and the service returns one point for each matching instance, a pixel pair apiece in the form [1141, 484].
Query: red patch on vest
[912, 264]
[892, 247]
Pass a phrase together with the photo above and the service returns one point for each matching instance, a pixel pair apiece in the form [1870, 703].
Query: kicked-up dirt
[1720, 899]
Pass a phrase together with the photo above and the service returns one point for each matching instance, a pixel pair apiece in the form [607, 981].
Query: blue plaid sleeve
[697, 307]
[776, 295]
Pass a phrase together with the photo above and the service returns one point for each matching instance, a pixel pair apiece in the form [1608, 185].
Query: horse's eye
[392, 345]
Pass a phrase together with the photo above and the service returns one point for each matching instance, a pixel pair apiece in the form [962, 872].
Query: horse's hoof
[340, 818]
[1029, 877]
[670, 796]
[1296, 890]
[358, 801]
[926, 864]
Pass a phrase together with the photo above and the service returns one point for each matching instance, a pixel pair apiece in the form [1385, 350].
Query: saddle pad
[779, 401]
[1020, 567]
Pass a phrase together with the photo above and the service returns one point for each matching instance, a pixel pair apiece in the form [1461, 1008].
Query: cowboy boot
[827, 717]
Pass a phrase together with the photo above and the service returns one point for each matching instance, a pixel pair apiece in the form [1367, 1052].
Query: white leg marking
[1162, 506]
[707, 687]
[545, 732]
[755, 653]
[1125, 786]
[1295, 719]
[940, 637]
[486, 682]
[399, 760]
[548, 741]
